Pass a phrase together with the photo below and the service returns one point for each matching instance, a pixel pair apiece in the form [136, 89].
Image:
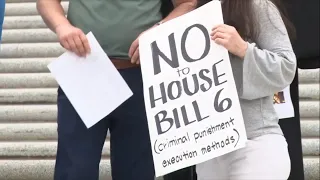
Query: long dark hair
[240, 14]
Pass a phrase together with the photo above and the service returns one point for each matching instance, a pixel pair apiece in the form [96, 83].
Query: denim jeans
[79, 148]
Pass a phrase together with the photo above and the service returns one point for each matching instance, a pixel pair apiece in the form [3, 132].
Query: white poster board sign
[283, 104]
[190, 95]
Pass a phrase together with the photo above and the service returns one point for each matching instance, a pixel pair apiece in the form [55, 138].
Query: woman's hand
[228, 37]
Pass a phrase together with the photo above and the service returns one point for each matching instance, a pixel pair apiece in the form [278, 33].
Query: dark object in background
[188, 173]
[166, 7]
[305, 16]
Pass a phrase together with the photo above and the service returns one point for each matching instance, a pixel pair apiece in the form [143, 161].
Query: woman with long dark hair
[257, 35]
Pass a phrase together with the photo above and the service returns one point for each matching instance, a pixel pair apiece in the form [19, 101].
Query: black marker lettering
[215, 74]
[163, 95]
[184, 52]
[157, 53]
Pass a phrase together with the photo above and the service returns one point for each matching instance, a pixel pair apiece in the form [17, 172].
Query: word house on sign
[191, 101]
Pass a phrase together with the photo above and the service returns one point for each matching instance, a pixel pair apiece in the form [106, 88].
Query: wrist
[56, 27]
[243, 50]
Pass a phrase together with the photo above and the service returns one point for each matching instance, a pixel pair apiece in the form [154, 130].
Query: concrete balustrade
[25, 1]
[28, 113]
[309, 109]
[46, 130]
[310, 128]
[31, 50]
[23, 22]
[309, 91]
[25, 65]
[28, 95]
[48, 95]
[36, 149]
[19, 9]
[310, 76]
[26, 131]
[39, 169]
[39, 80]
[28, 36]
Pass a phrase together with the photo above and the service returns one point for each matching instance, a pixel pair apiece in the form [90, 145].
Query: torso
[115, 23]
[259, 115]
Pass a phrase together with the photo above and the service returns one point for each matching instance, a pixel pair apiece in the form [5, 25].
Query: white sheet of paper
[285, 108]
[93, 85]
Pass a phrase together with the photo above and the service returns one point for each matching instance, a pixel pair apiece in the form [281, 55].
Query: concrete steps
[28, 100]
[39, 169]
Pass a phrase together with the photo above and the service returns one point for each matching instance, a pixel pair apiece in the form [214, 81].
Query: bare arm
[70, 37]
[52, 13]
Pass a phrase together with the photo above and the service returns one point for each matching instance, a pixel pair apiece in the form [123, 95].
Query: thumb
[133, 47]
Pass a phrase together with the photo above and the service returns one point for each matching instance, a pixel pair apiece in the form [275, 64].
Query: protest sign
[283, 104]
[190, 95]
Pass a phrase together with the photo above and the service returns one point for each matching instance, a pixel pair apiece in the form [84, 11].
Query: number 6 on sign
[190, 95]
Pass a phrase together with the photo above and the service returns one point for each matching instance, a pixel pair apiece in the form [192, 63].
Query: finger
[79, 45]
[219, 35]
[219, 29]
[135, 57]
[133, 47]
[218, 26]
[85, 43]
[65, 44]
[221, 41]
[228, 29]
[72, 45]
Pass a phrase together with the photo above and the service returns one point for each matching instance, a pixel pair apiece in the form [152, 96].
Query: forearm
[270, 63]
[52, 13]
[265, 72]
[181, 8]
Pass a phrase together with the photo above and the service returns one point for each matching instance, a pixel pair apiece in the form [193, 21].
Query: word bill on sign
[190, 95]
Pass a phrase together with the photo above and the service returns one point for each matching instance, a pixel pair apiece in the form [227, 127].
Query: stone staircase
[28, 100]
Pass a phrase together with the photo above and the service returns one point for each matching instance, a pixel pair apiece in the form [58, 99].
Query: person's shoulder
[264, 6]
[268, 17]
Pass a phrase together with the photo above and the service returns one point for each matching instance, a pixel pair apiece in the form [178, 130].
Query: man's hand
[70, 37]
[73, 39]
[134, 50]
[181, 7]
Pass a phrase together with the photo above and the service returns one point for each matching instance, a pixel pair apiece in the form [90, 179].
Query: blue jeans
[79, 148]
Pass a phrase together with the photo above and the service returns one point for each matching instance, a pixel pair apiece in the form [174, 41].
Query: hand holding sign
[191, 100]
[228, 37]
[134, 50]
